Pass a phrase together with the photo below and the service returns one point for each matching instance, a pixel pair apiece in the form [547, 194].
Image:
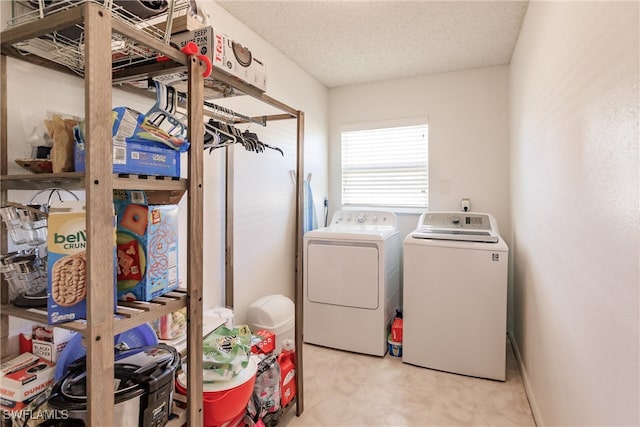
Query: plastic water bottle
[287, 361]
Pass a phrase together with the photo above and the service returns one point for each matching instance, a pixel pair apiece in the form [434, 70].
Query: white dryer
[351, 281]
[455, 295]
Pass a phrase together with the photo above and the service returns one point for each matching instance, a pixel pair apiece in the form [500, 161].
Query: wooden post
[100, 216]
[229, 225]
[194, 229]
[4, 286]
[299, 321]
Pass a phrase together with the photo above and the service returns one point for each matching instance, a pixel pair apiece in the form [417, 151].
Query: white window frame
[387, 124]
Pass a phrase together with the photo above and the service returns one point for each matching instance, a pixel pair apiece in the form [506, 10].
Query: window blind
[385, 167]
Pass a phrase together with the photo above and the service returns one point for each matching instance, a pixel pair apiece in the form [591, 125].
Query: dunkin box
[67, 262]
[23, 379]
[147, 247]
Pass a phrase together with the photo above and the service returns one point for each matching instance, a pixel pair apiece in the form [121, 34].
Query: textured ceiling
[350, 42]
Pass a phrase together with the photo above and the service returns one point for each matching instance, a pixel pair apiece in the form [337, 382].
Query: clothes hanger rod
[225, 110]
[238, 115]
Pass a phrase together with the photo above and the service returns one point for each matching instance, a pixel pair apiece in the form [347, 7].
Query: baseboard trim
[537, 416]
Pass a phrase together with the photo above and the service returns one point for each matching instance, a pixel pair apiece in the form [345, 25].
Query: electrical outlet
[465, 205]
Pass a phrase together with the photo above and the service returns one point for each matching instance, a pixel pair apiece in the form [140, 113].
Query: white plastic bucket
[275, 313]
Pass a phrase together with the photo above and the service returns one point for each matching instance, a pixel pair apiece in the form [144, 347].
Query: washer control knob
[361, 218]
[455, 220]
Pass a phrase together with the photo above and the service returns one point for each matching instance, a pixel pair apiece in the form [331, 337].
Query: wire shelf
[66, 46]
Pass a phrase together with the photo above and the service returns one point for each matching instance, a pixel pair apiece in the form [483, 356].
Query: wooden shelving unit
[128, 314]
[98, 183]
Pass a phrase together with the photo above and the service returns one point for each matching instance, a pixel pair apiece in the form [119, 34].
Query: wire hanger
[260, 146]
[217, 135]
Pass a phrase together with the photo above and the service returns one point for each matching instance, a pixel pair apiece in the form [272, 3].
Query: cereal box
[67, 262]
[23, 379]
[147, 247]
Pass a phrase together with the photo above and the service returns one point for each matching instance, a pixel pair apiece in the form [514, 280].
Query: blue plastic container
[395, 348]
[139, 336]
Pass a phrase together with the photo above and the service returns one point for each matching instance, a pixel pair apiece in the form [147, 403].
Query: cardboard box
[263, 342]
[132, 153]
[48, 342]
[227, 55]
[67, 263]
[23, 379]
[138, 159]
[147, 247]
[180, 24]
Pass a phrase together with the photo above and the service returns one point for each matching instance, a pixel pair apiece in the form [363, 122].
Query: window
[385, 167]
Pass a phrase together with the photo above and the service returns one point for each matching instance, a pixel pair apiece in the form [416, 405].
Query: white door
[343, 274]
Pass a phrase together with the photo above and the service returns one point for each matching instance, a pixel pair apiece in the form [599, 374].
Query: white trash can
[275, 313]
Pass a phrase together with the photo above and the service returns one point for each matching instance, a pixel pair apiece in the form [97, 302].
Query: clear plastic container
[29, 276]
[36, 231]
[12, 219]
[9, 213]
[17, 234]
[31, 283]
[8, 271]
[15, 284]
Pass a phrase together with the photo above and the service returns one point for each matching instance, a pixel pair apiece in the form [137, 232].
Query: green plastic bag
[226, 352]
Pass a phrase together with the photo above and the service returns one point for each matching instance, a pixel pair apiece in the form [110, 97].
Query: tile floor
[347, 389]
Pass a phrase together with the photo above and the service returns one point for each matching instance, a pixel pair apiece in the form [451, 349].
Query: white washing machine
[351, 281]
[455, 295]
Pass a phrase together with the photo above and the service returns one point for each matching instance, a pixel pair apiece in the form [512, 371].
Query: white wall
[574, 130]
[467, 112]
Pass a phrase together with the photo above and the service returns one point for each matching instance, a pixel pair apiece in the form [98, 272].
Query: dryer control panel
[355, 218]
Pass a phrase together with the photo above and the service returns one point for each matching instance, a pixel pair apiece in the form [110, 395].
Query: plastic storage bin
[275, 313]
